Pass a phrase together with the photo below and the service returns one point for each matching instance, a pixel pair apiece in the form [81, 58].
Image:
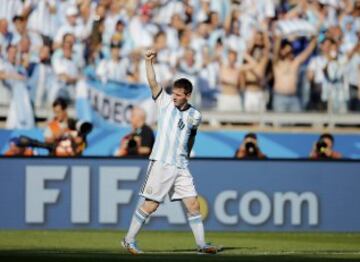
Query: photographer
[323, 148]
[72, 142]
[57, 127]
[249, 148]
[16, 149]
[141, 139]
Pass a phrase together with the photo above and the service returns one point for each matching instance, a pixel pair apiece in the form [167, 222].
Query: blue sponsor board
[45, 193]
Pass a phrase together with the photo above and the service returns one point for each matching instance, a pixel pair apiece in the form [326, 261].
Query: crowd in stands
[241, 55]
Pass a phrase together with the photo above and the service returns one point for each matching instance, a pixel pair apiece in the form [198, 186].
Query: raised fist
[150, 54]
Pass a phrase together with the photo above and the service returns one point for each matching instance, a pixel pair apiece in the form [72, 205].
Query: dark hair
[10, 46]
[327, 135]
[184, 84]
[18, 18]
[116, 44]
[251, 135]
[286, 42]
[120, 22]
[158, 34]
[60, 102]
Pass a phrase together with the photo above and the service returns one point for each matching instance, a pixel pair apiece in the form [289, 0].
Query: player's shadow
[221, 249]
[174, 255]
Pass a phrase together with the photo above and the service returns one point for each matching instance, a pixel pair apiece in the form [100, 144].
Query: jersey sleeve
[196, 120]
[162, 99]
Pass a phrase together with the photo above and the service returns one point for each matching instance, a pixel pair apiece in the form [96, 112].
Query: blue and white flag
[295, 27]
[108, 104]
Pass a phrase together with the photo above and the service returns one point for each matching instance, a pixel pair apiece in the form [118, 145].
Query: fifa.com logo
[252, 207]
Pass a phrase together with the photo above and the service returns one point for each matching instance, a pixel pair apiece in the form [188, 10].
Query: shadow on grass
[177, 251]
[101, 255]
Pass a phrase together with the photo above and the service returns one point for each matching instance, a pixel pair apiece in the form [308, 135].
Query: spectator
[164, 63]
[9, 9]
[140, 140]
[208, 79]
[115, 68]
[286, 69]
[141, 27]
[166, 10]
[189, 66]
[93, 51]
[19, 30]
[164, 54]
[15, 148]
[315, 75]
[112, 17]
[353, 71]
[253, 73]
[6, 36]
[249, 148]
[42, 78]
[173, 30]
[323, 148]
[72, 25]
[335, 89]
[41, 17]
[229, 99]
[67, 74]
[13, 77]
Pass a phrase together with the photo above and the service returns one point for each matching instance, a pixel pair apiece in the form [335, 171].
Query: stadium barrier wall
[101, 193]
[104, 142]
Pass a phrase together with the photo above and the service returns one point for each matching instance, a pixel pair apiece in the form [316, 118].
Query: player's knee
[193, 207]
[150, 206]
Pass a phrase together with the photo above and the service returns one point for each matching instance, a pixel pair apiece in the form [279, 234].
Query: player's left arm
[196, 120]
[191, 140]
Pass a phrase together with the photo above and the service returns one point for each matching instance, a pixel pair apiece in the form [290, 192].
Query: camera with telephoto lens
[321, 147]
[25, 141]
[132, 146]
[82, 127]
[251, 149]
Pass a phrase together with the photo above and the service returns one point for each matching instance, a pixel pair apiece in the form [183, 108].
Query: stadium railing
[213, 118]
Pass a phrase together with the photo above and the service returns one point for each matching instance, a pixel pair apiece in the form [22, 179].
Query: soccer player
[167, 172]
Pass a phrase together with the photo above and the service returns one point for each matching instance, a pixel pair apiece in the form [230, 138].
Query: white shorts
[254, 101]
[162, 179]
[229, 102]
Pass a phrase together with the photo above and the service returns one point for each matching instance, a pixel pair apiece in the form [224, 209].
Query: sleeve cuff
[156, 97]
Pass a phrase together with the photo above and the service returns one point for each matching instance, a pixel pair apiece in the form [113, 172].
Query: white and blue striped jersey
[175, 127]
[10, 8]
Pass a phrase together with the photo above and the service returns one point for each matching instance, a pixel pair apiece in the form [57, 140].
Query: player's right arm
[150, 73]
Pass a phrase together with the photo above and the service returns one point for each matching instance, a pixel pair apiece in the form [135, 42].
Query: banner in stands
[108, 103]
[234, 195]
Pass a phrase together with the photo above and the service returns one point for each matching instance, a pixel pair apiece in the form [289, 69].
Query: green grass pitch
[158, 246]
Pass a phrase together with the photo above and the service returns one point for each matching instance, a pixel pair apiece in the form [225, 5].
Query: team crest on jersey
[149, 190]
[181, 124]
[190, 120]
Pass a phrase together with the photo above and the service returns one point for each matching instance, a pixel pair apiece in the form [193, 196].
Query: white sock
[197, 228]
[137, 221]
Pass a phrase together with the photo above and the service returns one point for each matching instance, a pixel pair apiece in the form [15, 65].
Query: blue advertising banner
[45, 193]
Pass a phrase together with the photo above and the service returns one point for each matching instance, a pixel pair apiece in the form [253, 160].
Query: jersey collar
[187, 107]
